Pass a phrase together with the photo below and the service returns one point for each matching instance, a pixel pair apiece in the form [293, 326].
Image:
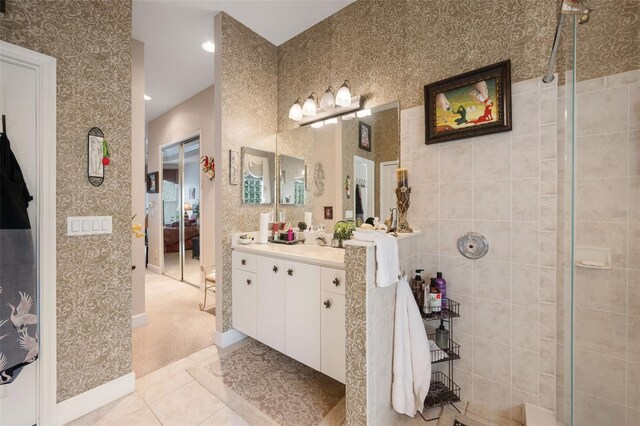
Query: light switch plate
[89, 225]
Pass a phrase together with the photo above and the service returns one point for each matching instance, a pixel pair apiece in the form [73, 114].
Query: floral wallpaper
[389, 49]
[91, 41]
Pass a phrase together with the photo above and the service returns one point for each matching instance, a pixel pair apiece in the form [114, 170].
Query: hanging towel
[386, 256]
[411, 359]
[18, 322]
[359, 210]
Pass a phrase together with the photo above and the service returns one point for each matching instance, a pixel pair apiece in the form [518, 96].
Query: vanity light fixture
[147, 97]
[310, 105]
[209, 46]
[343, 97]
[328, 102]
[317, 124]
[295, 113]
[363, 113]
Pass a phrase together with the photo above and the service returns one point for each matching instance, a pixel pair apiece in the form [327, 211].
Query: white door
[333, 335]
[244, 297]
[302, 313]
[387, 188]
[270, 305]
[18, 100]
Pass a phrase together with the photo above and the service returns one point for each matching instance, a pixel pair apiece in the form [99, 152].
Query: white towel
[386, 255]
[411, 359]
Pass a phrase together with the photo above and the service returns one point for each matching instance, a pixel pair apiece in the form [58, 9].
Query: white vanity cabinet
[332, 324]
[244, 295]
[283, 304]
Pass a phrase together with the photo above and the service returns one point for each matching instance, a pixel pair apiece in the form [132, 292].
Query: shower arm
[549, 77]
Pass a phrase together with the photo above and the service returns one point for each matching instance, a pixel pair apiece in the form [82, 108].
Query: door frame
[45, 68]
[189, 136]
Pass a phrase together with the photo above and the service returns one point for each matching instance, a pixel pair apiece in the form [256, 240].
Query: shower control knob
[248, 282]
[327, 304]
[243, 261]
[290, 272]
[275, 269]
[336, 282]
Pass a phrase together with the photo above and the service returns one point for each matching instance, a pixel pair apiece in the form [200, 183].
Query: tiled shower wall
[504, 187]
[607, 215]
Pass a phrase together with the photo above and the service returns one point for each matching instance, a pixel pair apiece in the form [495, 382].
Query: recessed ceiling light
[147, 97]
[209, 46]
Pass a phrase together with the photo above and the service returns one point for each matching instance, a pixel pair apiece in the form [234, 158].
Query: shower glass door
[598, 284]
[180, 211]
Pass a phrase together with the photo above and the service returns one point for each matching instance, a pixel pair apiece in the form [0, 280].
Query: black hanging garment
[18, 320]
[359, 210]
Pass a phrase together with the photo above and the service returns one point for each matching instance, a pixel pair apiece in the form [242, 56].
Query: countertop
[316, 255]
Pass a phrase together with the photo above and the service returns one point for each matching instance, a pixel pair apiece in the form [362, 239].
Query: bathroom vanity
[292, 298]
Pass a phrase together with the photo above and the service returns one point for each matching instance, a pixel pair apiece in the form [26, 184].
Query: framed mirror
[292, 181]
[258, 176]
[349, 159]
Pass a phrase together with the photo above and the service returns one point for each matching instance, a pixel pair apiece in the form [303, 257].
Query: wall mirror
[258, 171]
[350, 165]
[292, 180]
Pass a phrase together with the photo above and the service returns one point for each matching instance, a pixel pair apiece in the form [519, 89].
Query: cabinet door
[333, 336]
[270, 309]
[302, 313]
[244, 302]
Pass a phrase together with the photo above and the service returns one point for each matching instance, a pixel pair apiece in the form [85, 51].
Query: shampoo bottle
[442, 336]
[435, 298]
[417, 286]
[442, 285]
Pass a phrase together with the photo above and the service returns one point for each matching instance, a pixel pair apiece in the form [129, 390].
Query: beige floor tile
[205, 356]
[188, 405]
[151, 390]
[224, 417]
[142, 417]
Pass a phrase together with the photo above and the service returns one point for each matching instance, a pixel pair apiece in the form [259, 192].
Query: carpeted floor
[285, 390]
[176, 329]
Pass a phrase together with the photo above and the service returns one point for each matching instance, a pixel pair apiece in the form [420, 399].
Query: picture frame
[234, 167]
[328, 212]
[364, 136]
[467, 105]
[152, 182]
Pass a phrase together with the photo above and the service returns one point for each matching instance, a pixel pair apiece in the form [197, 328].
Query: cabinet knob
[275, 269]
[243, 261]
[248, 282]
[290, 272]
[327, 304]
[336, 282]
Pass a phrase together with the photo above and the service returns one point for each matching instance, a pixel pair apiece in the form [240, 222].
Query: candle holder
[403, 194]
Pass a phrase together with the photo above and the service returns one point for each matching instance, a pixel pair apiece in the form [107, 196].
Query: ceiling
[176, 66]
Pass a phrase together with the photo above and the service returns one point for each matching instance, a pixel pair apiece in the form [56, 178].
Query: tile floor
[168, 396]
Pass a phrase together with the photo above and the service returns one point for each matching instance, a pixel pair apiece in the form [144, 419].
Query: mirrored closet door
[181, 211]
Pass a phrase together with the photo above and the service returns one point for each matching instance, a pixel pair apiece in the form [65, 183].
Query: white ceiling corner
[176, 66]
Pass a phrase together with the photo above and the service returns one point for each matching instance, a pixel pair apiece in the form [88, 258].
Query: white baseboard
[228, 338]
[537, 416]
[139, 320]
[154, 268]
[79, 405]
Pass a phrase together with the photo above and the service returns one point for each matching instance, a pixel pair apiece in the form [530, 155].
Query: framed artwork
[152, 182]
[95, 154]
[364, 139]
[328, 212]
[234, 167]
[471, 104]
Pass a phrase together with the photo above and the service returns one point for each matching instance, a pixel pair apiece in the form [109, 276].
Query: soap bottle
[435, 298]
[417, 286]
[442, 285]
[442, 336]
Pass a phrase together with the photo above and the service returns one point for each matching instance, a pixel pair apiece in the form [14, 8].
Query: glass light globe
[310, 106]
[327, 102]
[295, 113]
[343, 97]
